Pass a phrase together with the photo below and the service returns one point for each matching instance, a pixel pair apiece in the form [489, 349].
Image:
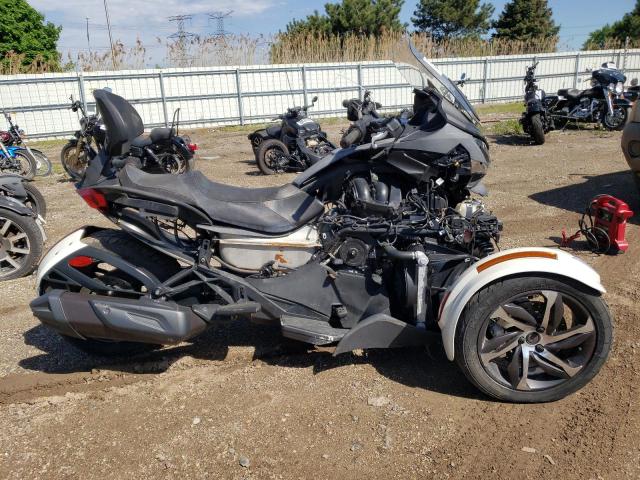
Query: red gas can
[611, 215]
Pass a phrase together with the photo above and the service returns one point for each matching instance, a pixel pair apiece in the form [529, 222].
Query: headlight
[619, 88]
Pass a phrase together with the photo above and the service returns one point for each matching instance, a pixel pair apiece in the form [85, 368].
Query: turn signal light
[94, 198]
[193, 147]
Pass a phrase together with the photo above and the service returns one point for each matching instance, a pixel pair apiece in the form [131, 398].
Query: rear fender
[15, 206]
[509, 263]
[55, 269]
[12, 185]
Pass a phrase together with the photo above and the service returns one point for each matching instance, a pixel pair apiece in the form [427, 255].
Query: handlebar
[353, 135]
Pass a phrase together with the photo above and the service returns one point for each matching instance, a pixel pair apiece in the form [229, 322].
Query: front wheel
[537, 129]
[22, 163]
[272, 157]
[20, 245]
[74, 160]
[533, 339]
[616, 120]
[43, 164]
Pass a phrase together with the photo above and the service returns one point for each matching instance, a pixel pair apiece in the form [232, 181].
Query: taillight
[94, 198]
[81, 261]
[193, 147]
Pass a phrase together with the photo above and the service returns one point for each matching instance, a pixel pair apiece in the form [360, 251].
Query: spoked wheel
[43, 164]
[272, 157]
[533, 339]
[174, 163]
[22, 164]
[20, 245]
[74, 160]
[617, 120]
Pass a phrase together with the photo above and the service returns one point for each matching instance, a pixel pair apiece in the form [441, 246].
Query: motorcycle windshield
[419, 72]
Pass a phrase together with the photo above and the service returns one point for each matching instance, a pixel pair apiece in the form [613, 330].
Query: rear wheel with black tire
[74, 160]
[21, 245]
[35, 199]
[537, 129]
[272, 157]
[533, 339]
[131, 250]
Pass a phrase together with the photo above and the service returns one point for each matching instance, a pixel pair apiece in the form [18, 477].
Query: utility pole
[113, 55]
[88, 40]
[181, 37]
[219, 18]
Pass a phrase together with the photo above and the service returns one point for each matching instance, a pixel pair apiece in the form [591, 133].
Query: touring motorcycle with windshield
[293, 145]
[373, 246]
[602, 103]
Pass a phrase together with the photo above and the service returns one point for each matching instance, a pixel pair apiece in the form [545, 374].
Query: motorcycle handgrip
[352, 136]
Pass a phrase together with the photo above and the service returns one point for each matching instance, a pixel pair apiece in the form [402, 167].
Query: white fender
[65, 247]
[503, 264]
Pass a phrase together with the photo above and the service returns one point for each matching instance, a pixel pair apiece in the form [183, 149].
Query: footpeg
[315, 332]
[211, 311]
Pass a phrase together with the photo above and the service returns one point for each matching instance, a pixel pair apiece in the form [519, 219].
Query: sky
[147, 19]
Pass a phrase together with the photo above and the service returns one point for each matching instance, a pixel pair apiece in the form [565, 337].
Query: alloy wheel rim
[614, 120]
[14, 247]
[537, 341]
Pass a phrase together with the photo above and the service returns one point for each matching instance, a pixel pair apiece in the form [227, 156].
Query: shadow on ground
[576, 197]
[426, 368]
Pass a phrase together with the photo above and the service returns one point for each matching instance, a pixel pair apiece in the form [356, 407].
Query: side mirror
[314, 99]
[463, 77]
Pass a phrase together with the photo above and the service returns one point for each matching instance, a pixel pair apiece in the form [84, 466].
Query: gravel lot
[242, 403]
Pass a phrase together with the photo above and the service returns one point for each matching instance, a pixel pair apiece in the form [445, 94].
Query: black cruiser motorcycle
[163, 150]
[293, 145]
[371, 247]
[534, 120]
[602, 103]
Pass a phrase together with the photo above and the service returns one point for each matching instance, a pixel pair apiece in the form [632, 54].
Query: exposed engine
[374, 212]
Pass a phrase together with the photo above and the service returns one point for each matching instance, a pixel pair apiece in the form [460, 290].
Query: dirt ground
[241, 403]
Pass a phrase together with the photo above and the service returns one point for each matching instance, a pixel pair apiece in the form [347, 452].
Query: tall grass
[303, 48]
[296, 48]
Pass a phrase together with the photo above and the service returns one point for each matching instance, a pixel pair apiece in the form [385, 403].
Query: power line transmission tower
[181, 39]
[219, 18]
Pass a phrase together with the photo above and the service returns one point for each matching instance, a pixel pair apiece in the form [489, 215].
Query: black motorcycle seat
[156, 135]
[271, 210]
[570, 92]
[142, 141]
[160, 134]
[274, 131]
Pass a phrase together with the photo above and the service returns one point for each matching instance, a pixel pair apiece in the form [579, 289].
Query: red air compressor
[603, 224]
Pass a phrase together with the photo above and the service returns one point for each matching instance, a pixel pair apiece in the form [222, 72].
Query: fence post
[304, 85]
[239, 90]
[164, 99]
[577, 71]
[485, 81]
[360, 86]
[83, 97]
